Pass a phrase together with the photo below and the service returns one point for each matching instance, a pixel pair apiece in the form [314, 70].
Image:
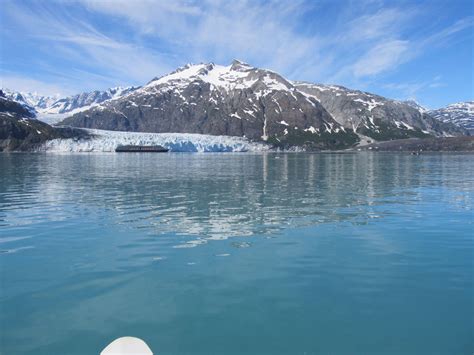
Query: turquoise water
[237, 253]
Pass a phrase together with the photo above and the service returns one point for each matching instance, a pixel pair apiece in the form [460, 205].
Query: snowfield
[107, 141]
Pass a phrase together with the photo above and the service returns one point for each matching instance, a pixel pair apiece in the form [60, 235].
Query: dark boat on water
[141, 149]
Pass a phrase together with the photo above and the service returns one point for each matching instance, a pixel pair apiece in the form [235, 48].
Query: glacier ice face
[107, 141]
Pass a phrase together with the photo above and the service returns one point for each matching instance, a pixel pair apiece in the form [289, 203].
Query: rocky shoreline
[417, 145]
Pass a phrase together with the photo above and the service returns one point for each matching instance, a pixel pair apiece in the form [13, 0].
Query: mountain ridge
[460, 113]
[375, 116]
[259, 104]
[241, 100]
[52, 109]
[234, 100]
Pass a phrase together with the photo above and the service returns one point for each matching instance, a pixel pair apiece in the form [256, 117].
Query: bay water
[271, 253]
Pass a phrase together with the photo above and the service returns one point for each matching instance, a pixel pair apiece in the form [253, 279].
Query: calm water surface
[237, 253]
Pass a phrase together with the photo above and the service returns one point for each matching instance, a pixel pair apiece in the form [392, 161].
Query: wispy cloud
[88, 49]
[445, 35]
[382, 57]
[364, 44]
[383, 23]
[262, 33]
[360, 43]
[411, 89]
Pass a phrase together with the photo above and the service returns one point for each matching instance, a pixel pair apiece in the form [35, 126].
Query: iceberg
[107, 141]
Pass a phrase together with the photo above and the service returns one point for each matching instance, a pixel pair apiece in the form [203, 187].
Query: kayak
[127, 346]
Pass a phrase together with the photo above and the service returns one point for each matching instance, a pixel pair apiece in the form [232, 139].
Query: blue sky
[400, 49]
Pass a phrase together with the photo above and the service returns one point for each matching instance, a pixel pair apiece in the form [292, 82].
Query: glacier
[107, 141]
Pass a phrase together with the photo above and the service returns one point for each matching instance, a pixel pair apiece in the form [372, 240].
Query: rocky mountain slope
[375, 116]
[234, 100]
[19, 130]
[244, 101]
[461, 114]
[240, 100]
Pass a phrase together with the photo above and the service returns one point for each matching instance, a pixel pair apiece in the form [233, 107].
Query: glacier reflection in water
[212, 249]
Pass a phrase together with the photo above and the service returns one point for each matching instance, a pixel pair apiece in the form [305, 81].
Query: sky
[421, 50]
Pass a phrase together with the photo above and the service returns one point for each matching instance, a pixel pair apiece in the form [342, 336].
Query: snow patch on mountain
[369, 104]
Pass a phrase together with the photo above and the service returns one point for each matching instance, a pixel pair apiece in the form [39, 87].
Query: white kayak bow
[127, 346]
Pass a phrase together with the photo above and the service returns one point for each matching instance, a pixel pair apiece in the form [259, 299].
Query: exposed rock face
[20, 131]
[375, 116]
[461, 114]
[236, 100]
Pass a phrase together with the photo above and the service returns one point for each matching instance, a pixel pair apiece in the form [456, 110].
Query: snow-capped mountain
[13, 108]
[233, 100]
[241, 100]
[461, 114]
[85, 100]
[244, 101]
[22, 99]
[375, 116]
[52, 109]
[33, 100]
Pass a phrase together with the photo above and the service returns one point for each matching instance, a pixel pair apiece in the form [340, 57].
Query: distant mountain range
[241, 100]
[52, 109]
[461, 114]
[20, 130]
[86, 100]
[33, 101]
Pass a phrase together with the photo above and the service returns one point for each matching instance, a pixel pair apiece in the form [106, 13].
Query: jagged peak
[238, 75]
[414, 104]
[180, 69]
[239, 65]
[191, 70]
